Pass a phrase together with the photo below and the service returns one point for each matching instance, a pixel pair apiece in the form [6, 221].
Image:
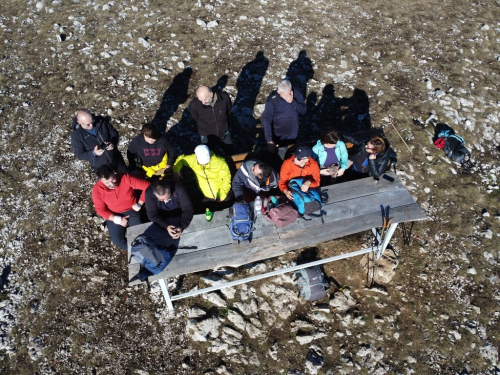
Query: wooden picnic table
[352, 207]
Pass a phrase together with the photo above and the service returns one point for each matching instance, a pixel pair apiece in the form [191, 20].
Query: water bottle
[257, 205]
[208, 214]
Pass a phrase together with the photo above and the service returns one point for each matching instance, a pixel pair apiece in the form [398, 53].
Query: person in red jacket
[300, 164]
[116, 200]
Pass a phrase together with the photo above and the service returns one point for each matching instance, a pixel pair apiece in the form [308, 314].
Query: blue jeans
[118, 233]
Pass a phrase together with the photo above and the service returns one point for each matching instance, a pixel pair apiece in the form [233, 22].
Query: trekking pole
[387, 224]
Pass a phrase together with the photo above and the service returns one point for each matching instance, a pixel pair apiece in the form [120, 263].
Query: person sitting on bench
[152, 151]
[116, 200]
[169, 206]
[254, 178]
[331, 154]
[300, 164]
[371, 158]
[212, 176]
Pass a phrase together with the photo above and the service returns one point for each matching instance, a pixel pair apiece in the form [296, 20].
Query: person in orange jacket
[300, 164]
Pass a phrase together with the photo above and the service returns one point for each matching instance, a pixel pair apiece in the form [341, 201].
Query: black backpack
[454, 148]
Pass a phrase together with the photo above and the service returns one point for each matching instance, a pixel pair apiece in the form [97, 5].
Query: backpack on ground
[307, 202]
[452, 144]
[312, 283]
[152, 258]
[240, 222]
[281, 215]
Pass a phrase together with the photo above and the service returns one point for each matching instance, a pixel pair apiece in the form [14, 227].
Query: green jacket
[214, 178]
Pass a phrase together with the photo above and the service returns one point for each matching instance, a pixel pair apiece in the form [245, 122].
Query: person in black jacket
[150, 152]
[210, 109]
[254, 178]
[371, 158]
[94, 139]
[169, 206]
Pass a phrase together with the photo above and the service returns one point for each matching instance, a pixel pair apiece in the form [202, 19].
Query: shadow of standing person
[248, 85]
[355, 112]
[300, 72]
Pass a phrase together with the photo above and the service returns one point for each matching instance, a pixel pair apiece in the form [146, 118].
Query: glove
[271, 148]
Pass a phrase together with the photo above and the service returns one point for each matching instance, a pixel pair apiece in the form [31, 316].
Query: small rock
[485, 28]
[143, 42]
[127, 62]
[203, 330]
[201, 23]
[212, 24]
[314, 361]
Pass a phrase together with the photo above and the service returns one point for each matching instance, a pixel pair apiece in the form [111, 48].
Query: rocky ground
[63, 304]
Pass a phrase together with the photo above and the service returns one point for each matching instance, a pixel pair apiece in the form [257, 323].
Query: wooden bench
[352, 207]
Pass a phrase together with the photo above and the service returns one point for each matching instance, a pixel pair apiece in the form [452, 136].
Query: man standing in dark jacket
[168, 205]
[254, 178]
[94, 139]
[210, 109]
[280, 119]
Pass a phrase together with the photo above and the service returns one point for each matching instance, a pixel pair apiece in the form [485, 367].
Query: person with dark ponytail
[372, 158]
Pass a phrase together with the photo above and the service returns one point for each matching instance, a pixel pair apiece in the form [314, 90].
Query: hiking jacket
[378, 166]
[84, 143]
[179, 195]
[212, 119]
[319, 154]
[121, 198]
[282, 120]
[245, 178]
[290, 170]
[142, 154]
[214, 178]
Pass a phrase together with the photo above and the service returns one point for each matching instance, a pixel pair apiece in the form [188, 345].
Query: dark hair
[378, 144]
[161, 187]
[266, 170]
[330, 136]
[151, 131]
[105, 171]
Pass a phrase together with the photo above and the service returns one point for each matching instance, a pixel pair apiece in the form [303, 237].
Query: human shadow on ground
[300, 72]
[245, 133]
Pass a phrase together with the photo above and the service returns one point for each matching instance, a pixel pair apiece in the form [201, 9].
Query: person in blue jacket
[280, 119]
[331, 154]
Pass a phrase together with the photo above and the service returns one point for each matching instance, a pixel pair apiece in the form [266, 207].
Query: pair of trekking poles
[386, 224]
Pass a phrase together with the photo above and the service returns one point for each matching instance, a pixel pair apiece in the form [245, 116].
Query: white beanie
[202, 153]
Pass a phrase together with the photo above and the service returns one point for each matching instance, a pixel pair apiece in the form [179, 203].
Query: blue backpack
[240, 222]
[306, 203]
[152, 258]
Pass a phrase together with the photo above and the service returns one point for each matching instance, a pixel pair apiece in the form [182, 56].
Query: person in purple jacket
[280, 119]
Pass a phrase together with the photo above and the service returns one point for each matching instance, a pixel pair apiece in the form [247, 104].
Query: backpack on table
[281, 215]
[306, 202]
[152, 258]
[240, 222]
[312, 283]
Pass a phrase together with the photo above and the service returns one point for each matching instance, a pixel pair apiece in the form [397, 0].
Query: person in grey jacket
[254, 178]
[94, 139]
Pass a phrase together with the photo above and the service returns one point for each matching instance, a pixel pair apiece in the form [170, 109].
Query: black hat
[302, 152]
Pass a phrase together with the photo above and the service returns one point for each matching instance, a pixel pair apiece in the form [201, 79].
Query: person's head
[150, 133]
[85, 119]
[284, 87]
[205, 95]
[161, 190]
[375, 145]
[302, 155]
[202, 153]
[107, 176]
[329, 138]
[262, 170]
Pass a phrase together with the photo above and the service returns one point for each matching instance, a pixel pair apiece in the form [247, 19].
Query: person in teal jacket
[331, 154]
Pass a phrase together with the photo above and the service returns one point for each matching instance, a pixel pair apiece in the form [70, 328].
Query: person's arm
[267, 118]
[193, 110]
[113, 133]
[138, 184]
[225, 176]
[343, 155]
[315, 175]
[79, 148]
[298, 102]
[284, 175]
[132, 155]
[239, 184]
[170, 152]
[378, 165]
[185, 205]
[100, 206]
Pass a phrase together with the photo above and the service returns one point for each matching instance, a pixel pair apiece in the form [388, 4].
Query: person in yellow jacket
[211, 172]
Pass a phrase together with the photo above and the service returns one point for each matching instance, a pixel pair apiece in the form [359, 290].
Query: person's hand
[159, 172]
[271, 147]
[340, 172]
[372, 156]
[177, 175]
[98, 151]
[175, 232]
[287, 96]
[324, 172]
[288, 194]
[137, 206]
[305, 186]
[124, 221]
[110, 146]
